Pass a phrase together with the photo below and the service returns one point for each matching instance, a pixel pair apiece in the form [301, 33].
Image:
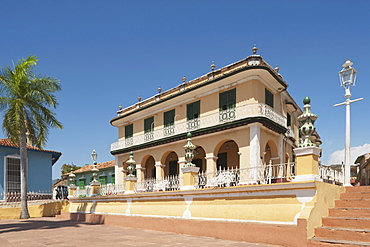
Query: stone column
[255, 152]
[140, 172]
[211, 163]
[159, 170]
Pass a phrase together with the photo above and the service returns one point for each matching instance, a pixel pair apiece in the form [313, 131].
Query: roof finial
[254, 49]
[138, 98]
[213, 66]
[277, 68]
[159, 89]
[120, 107]
[184, 79]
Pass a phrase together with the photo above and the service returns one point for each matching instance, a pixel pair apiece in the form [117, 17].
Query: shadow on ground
[33, 224]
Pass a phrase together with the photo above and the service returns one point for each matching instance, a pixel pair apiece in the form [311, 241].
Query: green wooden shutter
[227, 99]
[231, 98]
[169, 118]
[193, 110]
[269, 98]
[223, 101]
[148, 124]
[196, 109]
[103, 180]
[189, 111]
[129, 131]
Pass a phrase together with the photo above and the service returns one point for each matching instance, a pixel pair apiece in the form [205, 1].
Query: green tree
[66, 168]
[27, 100]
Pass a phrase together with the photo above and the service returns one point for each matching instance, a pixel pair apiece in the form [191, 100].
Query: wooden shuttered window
[148, 124]
[169, 118]
[269, 98]
[193, 110]
[227, 100]
[129, 131]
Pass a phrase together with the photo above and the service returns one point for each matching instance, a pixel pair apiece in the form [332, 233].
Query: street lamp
[95, 170]
[347, 78]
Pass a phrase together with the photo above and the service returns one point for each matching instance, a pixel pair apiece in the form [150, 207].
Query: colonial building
[240, 116]
[40, 163]
[105, 175]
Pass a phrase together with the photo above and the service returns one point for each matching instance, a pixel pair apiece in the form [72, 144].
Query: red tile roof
[8, 143]
[102, 165]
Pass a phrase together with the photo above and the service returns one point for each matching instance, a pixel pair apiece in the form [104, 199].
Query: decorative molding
[307, 151]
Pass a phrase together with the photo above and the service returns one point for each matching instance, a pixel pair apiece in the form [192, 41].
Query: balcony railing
[229, 115]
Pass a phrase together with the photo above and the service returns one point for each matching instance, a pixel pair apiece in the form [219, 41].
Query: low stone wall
[284, 213]
[43, 210]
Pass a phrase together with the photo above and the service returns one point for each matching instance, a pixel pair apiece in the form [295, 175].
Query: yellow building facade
[240, 116]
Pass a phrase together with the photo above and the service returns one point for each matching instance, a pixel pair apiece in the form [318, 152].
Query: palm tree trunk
[23, 167]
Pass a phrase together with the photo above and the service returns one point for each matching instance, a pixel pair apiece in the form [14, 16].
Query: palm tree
[26, 99]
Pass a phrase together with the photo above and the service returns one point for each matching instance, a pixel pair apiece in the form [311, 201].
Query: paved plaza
[49, 231]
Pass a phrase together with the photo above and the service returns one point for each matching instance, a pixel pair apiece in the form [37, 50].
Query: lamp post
[347, 78]
[95, 170]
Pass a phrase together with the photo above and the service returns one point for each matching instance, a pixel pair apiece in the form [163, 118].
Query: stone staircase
[348, 224]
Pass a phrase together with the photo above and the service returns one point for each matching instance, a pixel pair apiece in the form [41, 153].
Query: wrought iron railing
[331, 175]
[264, 174]
[112, 189]
[205, 121]
[152, 185]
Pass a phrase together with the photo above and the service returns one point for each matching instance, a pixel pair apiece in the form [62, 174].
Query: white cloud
[337, 157]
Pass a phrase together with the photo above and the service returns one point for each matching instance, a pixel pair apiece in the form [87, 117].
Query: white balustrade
[229, 115]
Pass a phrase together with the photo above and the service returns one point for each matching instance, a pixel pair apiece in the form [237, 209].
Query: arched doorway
[150, 171]
[228, 156]
[172, 164]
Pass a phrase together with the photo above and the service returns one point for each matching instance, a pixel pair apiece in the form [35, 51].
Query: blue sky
[106, 53]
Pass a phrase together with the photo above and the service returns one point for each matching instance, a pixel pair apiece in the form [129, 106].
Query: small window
[269, 98]
[148, 124]
[193, 110]
[227, 100]
[129, 131]
[82, 183]
[288, 119]
[169, 118]
[103, 180]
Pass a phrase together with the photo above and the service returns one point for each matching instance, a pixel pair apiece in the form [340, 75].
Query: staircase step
[350, 212]
[348, 234]
[352, 203]
[357, 189]
[355, 195]
[354, 223]
[332, 242]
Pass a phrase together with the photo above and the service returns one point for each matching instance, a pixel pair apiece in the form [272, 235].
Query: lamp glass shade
[94, 155]
[347, 76]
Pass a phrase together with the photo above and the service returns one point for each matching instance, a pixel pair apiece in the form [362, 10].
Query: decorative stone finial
[120, 107]
[72, 179]
[277, 68]
[131, 165]
[307, 121]
[184, 79]
[159, 89]
[254, 49]
[189, 151]
[213, 66]
[138, 98]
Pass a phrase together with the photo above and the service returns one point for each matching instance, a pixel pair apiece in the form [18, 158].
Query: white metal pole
[347, 158]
